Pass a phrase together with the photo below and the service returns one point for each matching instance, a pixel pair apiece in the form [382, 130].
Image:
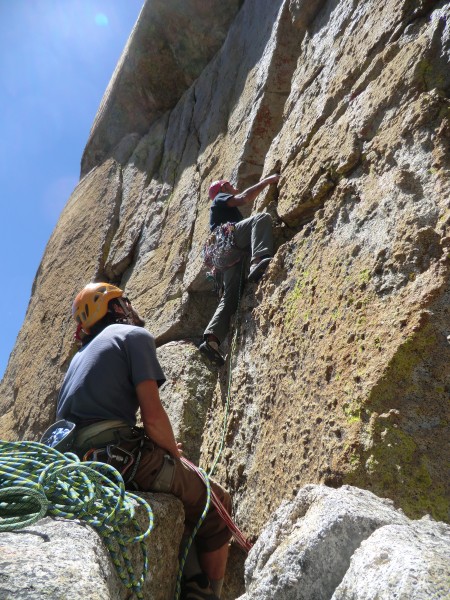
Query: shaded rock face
[340, 373]
[187, 393]
[347, 543]
[172, 41]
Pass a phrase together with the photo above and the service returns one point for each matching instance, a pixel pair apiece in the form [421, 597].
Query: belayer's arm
[154, 417]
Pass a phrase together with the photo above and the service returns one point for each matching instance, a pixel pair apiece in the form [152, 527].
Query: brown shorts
[191, 490]
[183, 483]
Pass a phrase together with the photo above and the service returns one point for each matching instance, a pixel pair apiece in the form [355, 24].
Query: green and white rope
[36, 480]
[189, 542]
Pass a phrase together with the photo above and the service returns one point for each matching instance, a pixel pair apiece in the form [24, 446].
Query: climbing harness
[125, 459]
[220, 251]
[36, 480]
[118, 457]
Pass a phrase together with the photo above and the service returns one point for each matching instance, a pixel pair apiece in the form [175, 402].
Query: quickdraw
[118, 457]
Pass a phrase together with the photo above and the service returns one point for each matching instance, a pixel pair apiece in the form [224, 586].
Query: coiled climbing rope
[36, 480]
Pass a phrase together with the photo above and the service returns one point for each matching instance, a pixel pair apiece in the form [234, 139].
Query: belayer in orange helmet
[99, 300]
[115, 374]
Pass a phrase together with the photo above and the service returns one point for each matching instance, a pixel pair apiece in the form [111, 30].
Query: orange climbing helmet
[215, 187]
[91, 304]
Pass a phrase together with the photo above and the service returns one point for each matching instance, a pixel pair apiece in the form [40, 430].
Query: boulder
[347, 544]
[400, 561]
[57, 558]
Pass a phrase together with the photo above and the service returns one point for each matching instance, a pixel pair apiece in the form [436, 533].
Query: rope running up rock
[230, 378]
[184, 554]
[36, 480]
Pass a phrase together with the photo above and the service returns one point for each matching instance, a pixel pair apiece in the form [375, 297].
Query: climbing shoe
[212, 353]
[257, 271]
[197, 588]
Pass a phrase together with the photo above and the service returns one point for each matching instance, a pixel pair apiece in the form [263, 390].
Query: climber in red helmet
[241, 237]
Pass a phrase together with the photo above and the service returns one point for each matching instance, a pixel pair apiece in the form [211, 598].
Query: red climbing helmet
[215, 187]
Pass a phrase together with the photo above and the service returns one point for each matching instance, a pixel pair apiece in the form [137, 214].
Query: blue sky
[56, 59]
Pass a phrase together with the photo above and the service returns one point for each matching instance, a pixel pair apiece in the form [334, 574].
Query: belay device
[60, 435]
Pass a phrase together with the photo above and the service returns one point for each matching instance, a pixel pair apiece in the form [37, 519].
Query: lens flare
[101, 20]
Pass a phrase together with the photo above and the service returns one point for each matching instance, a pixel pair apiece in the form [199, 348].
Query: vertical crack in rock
[112, 230]
[191, 316]
[140, 200]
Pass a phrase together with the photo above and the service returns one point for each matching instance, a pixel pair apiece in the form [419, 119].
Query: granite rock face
[340, 371]
[343, 348]
[347, 544]
[171, 43]
[187, 393]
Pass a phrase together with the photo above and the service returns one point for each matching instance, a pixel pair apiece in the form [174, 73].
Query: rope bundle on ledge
[36, 480]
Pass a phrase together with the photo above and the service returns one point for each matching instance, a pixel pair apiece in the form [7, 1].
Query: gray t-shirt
[101, 380]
